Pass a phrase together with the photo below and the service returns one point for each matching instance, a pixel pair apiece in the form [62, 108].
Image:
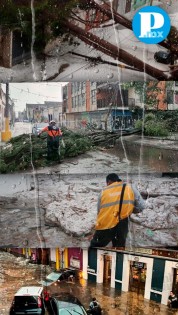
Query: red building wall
[75, 254]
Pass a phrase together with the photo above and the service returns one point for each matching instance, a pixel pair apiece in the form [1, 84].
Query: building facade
[152, 273]
[44, 112]
[98, 105]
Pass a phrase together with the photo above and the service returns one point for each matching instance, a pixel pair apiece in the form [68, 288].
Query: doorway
[137, 277]
[175, 282]
[107, 269]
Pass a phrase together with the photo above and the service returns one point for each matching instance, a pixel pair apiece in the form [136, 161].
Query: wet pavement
[16, 272]
[56, 205]
[158, 155]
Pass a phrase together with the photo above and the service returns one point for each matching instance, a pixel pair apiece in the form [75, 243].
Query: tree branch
[114, 51]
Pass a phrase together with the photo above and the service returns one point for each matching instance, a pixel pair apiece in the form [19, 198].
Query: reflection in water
[156, 159]
[112, 301]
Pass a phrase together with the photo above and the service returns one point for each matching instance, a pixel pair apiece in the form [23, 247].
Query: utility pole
[6, 135]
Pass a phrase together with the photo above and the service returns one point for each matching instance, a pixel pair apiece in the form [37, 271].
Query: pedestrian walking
[53, 140]
[116, 203]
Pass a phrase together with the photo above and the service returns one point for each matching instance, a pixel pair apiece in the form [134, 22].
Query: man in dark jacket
[172, 300]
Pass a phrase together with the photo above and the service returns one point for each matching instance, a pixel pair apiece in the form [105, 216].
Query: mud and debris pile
[27, 151]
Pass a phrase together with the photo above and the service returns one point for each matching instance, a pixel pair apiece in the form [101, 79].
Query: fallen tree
[27, 151]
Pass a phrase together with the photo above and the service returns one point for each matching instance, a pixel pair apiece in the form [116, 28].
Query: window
[26, 301]
[170, 97]
[82, 85]
[78, 86]
[93, 96]
[80, 100]
[83, 99]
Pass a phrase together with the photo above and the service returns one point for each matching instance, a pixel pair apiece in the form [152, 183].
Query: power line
[40, 95]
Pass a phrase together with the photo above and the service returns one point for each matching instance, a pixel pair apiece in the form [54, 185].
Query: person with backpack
[116, 203]
[53, 137]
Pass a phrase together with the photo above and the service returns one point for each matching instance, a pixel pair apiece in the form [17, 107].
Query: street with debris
[17, 272]
[57, 205]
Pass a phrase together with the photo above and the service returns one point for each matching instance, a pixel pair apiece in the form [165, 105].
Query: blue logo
[151, 25]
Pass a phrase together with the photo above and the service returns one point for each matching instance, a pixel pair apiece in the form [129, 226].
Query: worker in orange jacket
[116, 203]
[53, 140]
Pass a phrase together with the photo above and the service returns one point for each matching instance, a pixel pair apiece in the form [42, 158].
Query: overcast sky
[31, 93]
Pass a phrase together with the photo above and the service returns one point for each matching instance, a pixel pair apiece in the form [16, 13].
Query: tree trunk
[121, 19]
[114, 51]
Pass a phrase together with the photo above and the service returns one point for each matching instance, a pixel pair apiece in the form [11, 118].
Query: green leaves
[26, 150]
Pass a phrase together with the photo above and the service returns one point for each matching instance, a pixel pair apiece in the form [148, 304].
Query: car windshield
[25, 302]
[53, 276]
[41, 125]
[66, 308]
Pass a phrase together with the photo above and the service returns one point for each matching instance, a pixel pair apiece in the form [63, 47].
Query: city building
[14, 47]
[99, 105]
[45, 112]
[152, 273]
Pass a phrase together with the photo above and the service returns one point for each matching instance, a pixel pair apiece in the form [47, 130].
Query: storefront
[137, 277]
[75, 259]
[175, 281]
[146, 274]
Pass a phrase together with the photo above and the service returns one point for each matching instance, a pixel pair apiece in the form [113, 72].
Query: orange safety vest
[52, 132]
[108, 216]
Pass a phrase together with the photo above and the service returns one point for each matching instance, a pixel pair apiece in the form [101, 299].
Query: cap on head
[52, 122]
[112, 178]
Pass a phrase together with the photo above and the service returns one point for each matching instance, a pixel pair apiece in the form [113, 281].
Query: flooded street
[16, 272]
[155, 154]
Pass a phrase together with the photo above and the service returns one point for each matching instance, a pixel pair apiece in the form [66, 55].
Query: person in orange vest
[116, 203]
[53, 140]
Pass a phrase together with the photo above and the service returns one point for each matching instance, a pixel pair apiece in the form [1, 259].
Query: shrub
[154, 128]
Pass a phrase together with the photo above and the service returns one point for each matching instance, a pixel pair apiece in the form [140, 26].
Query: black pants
[53, 150]
[117, 235]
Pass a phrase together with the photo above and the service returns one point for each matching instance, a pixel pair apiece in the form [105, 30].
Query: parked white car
[37, 127]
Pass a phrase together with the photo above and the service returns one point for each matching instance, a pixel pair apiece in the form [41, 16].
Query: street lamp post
[6, 135]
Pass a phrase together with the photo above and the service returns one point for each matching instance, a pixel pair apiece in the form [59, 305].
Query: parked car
[55, 277]
[37, 127]
[163, 57]
[28, 300]
[65, 304]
